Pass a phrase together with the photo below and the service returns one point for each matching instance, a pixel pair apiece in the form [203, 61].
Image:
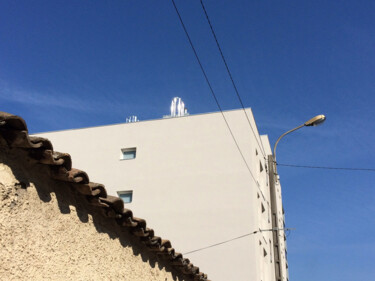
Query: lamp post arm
[292, 130]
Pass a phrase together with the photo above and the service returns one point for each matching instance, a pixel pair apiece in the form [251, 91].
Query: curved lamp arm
[315, 121]
[283, 135]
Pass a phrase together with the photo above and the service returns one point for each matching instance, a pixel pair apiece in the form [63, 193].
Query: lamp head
[315, 121]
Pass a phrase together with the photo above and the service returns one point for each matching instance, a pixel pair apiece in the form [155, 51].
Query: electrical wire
[214, 96]
[239, 237]
[326, 168]
[260, 144]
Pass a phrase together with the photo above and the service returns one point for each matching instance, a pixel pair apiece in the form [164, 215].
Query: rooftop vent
[178, 108]
[132, 119]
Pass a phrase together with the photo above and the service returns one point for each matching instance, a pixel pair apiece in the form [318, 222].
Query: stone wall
[49, 232]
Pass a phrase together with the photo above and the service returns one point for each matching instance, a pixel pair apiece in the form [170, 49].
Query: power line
[239, 237]
[214, 96]
[231, 77]
[327, 168]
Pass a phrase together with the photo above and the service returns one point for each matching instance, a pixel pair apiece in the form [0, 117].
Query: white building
[186, 176]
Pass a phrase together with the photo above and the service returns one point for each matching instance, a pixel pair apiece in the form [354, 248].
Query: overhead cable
[231, 78]
[215, 98]
[327, 168]
[239, 237]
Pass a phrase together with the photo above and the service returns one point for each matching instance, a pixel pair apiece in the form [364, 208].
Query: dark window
[126, 196]
[128, 153]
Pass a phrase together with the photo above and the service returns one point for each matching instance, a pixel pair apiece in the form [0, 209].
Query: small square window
[126, 196]
[128, 153]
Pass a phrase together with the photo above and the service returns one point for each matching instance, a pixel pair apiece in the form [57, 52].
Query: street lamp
[315, 121]
[273, 182]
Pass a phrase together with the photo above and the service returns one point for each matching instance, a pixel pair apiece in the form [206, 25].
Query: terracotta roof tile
[14, 130]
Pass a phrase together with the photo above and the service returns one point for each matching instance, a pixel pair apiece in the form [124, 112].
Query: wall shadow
[28, 171]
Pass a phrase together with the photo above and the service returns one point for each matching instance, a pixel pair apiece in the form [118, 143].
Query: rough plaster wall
[46, 234]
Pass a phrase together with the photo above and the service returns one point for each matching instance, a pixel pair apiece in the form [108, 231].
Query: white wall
[190, 183]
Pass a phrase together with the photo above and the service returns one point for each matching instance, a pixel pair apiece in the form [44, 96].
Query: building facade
[187, 172]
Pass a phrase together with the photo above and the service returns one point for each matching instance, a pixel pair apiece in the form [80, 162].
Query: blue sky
[71, 64]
